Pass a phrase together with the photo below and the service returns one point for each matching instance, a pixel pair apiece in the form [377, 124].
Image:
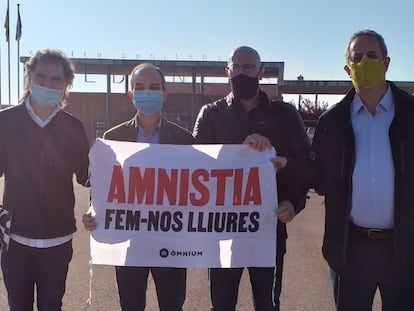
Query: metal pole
[18, 51]
[300, 78]
[108, 96]
[8, 50]
[193, 96]
[18, 71]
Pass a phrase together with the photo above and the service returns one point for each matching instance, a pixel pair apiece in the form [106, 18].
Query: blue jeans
[170, 284]
[26, 267]
[266, 285]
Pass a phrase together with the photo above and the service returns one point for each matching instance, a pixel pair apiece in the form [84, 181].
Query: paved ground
[305, 282]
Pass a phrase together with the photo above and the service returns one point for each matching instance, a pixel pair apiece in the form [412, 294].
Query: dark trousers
[372, 267]
[26, 267]
[266, 285]
[170, 284]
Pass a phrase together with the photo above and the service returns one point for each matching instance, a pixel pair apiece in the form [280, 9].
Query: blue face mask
[45, 97]
[147, 102]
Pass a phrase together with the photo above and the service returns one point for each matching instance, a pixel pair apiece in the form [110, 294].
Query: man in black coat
[247, 115]
[364, 166]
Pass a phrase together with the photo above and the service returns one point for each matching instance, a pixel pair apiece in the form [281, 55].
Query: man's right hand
[89, 221]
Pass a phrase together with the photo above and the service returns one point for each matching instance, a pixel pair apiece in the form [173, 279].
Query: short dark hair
[366, 32]
[148, 65]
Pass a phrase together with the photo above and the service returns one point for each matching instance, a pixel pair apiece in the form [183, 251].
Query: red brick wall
[92, 107]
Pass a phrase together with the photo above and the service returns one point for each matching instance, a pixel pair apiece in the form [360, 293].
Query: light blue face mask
[147, 102]
[45, 97]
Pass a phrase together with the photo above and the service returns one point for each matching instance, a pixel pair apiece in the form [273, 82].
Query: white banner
[182, 206]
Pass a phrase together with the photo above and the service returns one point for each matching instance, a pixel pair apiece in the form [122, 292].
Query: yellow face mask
[367, 73]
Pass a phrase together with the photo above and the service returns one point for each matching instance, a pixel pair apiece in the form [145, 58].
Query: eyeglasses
[245, 67]
[357, 57]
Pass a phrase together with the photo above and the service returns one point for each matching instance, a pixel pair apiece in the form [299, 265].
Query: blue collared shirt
[153, 138]
[373, 176]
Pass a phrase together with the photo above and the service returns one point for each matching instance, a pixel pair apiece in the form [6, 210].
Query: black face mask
[244, 87]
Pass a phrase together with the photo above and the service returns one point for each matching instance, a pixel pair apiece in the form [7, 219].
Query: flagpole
[0, 76]
[18, 71]
[18, 35]
[8, 48]
[7, 25]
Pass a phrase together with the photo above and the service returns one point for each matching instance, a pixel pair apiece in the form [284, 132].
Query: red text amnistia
[152, 186]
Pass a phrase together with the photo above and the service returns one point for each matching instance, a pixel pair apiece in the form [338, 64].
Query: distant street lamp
[300, 78]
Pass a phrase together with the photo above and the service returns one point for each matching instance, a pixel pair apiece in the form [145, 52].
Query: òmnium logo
[164, 253]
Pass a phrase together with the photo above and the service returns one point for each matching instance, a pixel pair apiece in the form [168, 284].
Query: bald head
[244, 50]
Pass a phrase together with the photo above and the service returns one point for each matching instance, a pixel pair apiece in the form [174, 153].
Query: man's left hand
[279, 163]
[258, 142]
